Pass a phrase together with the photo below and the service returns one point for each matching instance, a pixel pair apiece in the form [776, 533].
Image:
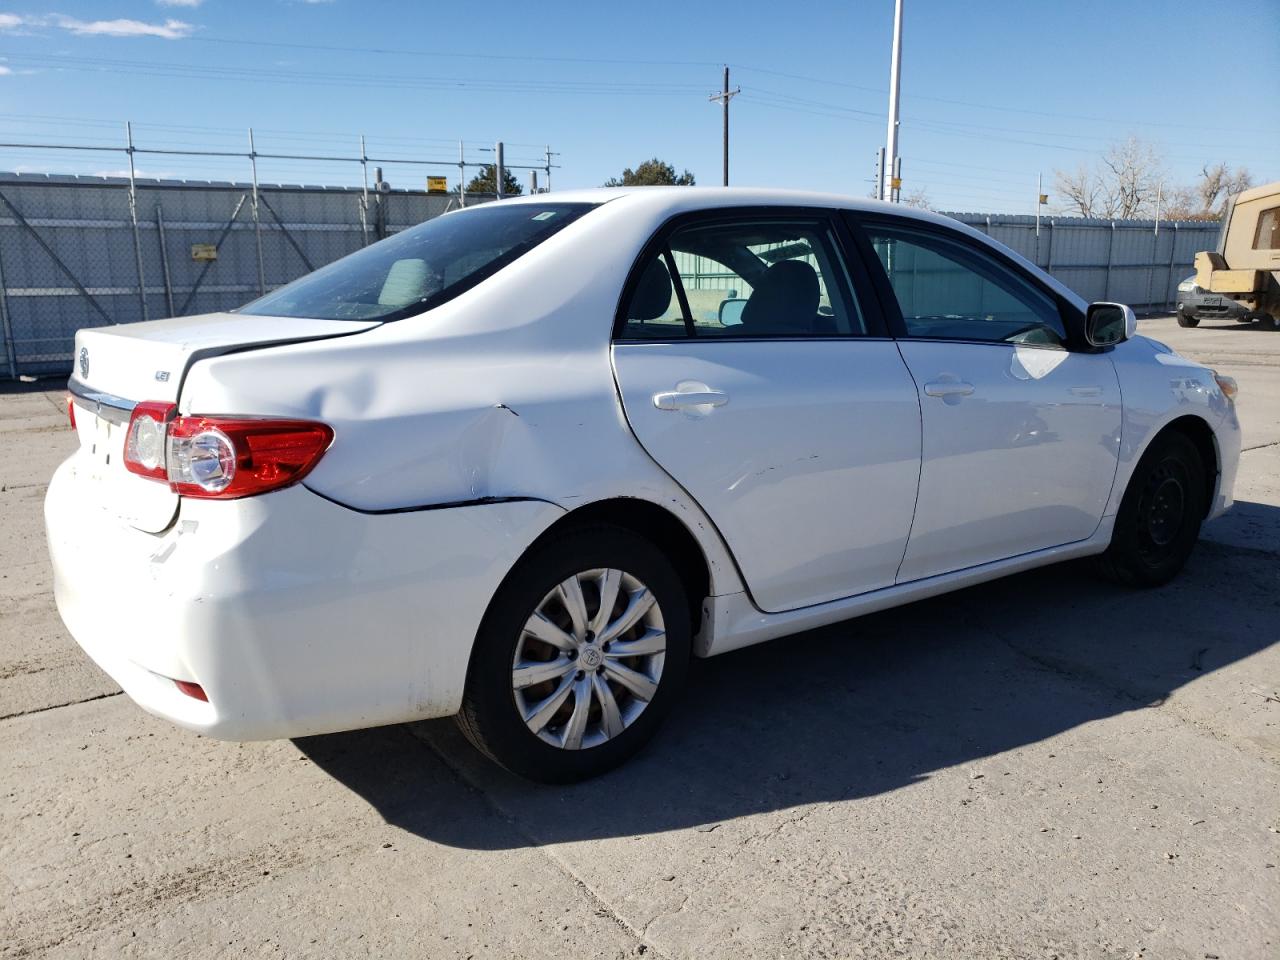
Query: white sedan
[521, 462]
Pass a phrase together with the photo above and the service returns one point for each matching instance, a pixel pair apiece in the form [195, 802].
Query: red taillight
[193, 690]
[238, 457]
[71, 410]
[221, 457]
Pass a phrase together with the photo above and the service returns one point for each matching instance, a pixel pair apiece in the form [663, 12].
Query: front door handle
[948, 388]
[683, 400]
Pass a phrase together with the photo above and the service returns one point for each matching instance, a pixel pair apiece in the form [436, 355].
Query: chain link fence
[71, 256]
[80, 251]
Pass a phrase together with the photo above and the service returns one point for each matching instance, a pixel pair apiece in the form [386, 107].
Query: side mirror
[731, 311]
[1106, 324]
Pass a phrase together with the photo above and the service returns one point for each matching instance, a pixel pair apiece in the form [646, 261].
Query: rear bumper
[297, 616]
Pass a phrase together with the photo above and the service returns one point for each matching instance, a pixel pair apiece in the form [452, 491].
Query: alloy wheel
[589, 659]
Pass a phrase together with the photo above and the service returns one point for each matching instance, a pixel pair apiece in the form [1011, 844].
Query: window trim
[856, 285]
[1275, 226]
[857, 223]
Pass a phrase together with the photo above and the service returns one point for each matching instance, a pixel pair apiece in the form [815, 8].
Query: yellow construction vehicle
[1241, 278]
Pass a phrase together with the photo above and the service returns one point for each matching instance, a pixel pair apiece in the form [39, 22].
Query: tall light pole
[888, 189]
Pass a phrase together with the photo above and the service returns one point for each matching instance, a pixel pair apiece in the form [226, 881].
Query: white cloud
[4, 71]
[180, 3]
[169, 30]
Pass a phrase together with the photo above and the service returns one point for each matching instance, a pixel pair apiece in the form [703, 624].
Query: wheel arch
[1200, 433]
[659, 526]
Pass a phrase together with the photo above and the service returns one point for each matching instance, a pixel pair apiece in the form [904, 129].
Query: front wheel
[579, 658]
[1187, 320]
[1159, 518]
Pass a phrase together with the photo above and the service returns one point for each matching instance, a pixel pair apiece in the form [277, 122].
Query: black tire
[1269, 322]
[1187, 320]
[1159, 518]
[490, 717]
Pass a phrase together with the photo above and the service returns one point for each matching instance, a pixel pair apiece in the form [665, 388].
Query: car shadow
[853, 710]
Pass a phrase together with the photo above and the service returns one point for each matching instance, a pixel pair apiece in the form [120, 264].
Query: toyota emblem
[84, 362]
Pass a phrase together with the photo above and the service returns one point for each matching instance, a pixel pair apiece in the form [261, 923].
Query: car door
[1021, 419]
[752, 374]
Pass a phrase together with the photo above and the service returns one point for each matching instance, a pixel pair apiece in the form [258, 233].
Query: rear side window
[948, 290]
[421, 267]
[1268, 235]
[744, 279]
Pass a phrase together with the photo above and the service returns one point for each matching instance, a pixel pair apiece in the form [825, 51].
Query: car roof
[674, 200]
[660, 203]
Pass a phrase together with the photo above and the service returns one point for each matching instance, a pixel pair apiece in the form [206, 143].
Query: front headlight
[1188, 285]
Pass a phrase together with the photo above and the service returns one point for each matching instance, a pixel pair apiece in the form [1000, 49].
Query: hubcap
[589, 659]
[1165, 514]
[1163, 509]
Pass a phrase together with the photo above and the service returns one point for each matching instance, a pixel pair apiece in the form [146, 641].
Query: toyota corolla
[520, 463]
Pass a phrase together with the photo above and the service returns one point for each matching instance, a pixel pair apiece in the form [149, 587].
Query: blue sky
[992, 92]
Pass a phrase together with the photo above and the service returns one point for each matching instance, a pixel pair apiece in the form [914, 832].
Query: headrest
[653, 293]
[786, 297]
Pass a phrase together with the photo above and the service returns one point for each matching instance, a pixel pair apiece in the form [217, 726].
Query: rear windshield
[421, 267]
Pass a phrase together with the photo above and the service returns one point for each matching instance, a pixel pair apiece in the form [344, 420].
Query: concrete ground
[1047, 766]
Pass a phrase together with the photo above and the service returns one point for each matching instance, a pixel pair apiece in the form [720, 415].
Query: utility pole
[498, 170]
[891, 140]
[880, 175]
[724, 96]
[1039, 201]
[548, 167]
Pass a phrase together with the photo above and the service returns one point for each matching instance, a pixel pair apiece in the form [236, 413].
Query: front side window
[1268, 235]
[751, 278]
[421, 267]
[947, 290]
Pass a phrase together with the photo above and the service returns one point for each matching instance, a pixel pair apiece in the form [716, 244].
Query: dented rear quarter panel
[505, 392]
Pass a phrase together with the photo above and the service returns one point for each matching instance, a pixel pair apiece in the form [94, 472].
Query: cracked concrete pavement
[1044, 766]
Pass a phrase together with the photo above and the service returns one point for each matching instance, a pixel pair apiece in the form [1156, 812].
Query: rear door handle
[1085, 391]
[948, 388]
[682, 400]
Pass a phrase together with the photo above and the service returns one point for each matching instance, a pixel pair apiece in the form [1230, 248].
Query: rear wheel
[579, 658]
[1159, 518]
[1270, 322]
[1186, 319]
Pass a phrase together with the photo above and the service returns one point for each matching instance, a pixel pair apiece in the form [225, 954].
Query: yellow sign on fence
[437, 184]
[204, 251]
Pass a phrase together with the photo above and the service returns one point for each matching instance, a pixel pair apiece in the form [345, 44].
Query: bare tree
[918, 198]
[1081, 190]
[1122, 184]
[1205, 199]
[1217, 182]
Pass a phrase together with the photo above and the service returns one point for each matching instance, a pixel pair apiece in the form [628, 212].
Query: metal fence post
[164, 260]
[1173, 246]
[364, 195]
[1048, 268]
[257, 224]
[1111, 246]
[133, 219]
[10, 349]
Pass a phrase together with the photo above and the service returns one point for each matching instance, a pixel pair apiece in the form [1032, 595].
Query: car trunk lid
[117, 367]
